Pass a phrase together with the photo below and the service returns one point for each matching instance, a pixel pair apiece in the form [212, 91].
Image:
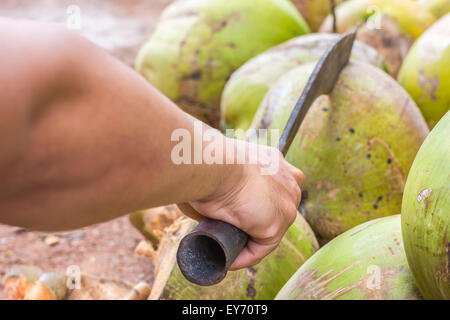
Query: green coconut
[438, 7]
[197, 44]
[391, 28]
[314, 11]
[262, 281]
[367, 262]
[426, 214]
[355, 145]
[247, 86]
[425, 73]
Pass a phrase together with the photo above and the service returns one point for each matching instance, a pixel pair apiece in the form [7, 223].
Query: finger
[252, 254]
[187, 210]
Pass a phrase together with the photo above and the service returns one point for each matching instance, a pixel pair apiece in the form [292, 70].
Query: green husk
[438, 7]
[426, 214]
[197, 44]
[367, 262]
[425, 73]
[246, 88]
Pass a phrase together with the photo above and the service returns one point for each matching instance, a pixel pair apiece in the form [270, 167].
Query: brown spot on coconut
[387, 125]
[391, 26]
[365, 263]
[246, 88]
[189, 57]
[262, 281]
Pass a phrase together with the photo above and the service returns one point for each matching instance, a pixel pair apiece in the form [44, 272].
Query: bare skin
[85, 139]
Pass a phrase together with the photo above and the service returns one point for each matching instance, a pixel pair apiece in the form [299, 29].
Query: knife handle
[206, 253]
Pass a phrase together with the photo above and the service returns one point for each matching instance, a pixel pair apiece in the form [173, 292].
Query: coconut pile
[375, 214]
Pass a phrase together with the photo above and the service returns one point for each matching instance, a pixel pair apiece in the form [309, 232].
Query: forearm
[95, 148]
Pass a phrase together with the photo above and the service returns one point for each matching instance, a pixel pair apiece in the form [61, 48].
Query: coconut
[391, 28]
[425, 73]
[197, 44]
[19, 279]
[262, 281]
[425, 214]
[314, 11]
[247, 86]
[355, 145]
[367, 262]
[50, 286]
[438, 7]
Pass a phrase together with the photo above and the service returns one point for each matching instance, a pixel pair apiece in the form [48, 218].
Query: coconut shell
[19, 279]
[391, 29]
[367, 262]
[426, 214]
[262, 281]
[197, 44]
[425, 73]
[355, 146]
[152, 222]
[50, 286]
[247, 86]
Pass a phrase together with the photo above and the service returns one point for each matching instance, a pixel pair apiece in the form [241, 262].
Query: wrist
[227, 173]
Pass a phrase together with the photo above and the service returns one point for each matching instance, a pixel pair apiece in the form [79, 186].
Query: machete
[205, 254]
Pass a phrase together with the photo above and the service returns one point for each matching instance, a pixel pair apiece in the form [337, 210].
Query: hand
[261, 202]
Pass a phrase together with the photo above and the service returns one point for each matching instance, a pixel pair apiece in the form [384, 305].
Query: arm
[85, 139]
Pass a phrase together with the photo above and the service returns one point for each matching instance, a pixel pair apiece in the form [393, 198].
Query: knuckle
[292, 215]
[271, 231]
[300, 176]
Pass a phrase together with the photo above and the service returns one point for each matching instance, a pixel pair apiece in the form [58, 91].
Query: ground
[106, 249]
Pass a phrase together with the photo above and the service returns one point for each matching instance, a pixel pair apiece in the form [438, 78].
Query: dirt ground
[120, 27]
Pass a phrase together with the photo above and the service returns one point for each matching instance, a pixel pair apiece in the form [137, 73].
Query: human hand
[261, 202]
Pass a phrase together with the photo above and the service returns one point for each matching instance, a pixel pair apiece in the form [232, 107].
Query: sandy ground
[120, 27]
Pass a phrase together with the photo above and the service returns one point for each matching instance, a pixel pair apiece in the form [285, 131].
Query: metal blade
[322, 81]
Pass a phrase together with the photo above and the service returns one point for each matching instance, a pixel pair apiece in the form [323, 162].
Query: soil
[107, 250]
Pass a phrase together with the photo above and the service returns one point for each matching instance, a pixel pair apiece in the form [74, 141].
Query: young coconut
[197, 44]
[262, 281]
[19, 279]
[246, 88]
[425, 73]
[314, 11]
[355, 145]
[438, 7]
[391, 28]
[367, 262]
[426, 214]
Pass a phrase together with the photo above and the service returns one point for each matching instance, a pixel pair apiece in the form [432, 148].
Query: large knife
[205, 254]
